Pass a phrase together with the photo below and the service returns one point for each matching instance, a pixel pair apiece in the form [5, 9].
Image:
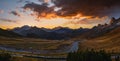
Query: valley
[37, 46]
[41, 43]
[60, 30]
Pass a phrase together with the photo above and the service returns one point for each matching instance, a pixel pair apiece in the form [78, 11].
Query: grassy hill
[109, 42]
[47, 47]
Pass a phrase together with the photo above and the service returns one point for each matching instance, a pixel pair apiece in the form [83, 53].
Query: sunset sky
[54, 13]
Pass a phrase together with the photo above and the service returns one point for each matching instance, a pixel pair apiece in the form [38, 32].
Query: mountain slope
[100, 30]
[7, 33]
[56, 33]
[109, 41]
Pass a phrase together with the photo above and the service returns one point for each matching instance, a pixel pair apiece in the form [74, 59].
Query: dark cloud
[41, 10]
[41, 0]
[86, 7]
[26, 1]
[70, 8]
[15, 13]
[19, 1]
[7, 20]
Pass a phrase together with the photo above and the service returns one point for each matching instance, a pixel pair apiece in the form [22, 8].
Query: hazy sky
[54, 13]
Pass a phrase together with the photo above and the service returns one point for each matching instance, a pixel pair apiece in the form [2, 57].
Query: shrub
[89, 55]
[5, 57]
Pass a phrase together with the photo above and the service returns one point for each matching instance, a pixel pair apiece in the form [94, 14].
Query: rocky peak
[113, 20]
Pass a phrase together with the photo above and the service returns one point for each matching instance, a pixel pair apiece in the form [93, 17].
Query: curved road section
[74, 47]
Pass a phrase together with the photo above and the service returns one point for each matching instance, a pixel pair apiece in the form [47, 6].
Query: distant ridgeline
[61, 32]
[7, 33]
[100, 30]
[54, 34]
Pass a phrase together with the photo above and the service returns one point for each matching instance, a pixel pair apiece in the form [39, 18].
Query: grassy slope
[109, 42]
[36, 44]
[25, 43]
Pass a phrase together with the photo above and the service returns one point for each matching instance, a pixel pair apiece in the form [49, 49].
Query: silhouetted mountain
[56, 33]
[101, 30]
[67, 33]
[7, 33]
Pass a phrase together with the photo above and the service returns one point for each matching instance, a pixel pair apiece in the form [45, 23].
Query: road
[73, 48]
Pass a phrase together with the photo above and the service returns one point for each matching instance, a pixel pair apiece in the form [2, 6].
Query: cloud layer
[95, 8]
[7, 20]
[15, 13]
[86, 7]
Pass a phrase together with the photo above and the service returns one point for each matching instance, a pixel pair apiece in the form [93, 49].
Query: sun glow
[50, 21]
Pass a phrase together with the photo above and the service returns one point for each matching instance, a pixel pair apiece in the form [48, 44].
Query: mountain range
[7, 33]
[108, 38]
[56, 33]
[59, 33]
[101, 30]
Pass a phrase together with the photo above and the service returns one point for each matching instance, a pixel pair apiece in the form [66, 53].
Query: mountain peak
[114, 21]
[25, 26]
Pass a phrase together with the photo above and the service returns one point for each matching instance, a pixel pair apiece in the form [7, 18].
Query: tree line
[89, 55]
[5, 57]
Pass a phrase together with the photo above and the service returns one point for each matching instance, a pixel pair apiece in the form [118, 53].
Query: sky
[54, 13]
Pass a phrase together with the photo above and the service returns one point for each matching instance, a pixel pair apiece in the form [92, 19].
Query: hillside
[109, 41]
[7, 33]
[103, 36]
[58, 33]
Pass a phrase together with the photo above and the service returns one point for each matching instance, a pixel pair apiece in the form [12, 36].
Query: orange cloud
[89, 20]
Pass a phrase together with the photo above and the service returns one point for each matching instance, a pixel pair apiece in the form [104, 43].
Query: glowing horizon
[49, 14]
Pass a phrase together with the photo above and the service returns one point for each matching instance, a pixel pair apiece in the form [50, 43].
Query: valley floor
[38, 46]
[30, 48]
